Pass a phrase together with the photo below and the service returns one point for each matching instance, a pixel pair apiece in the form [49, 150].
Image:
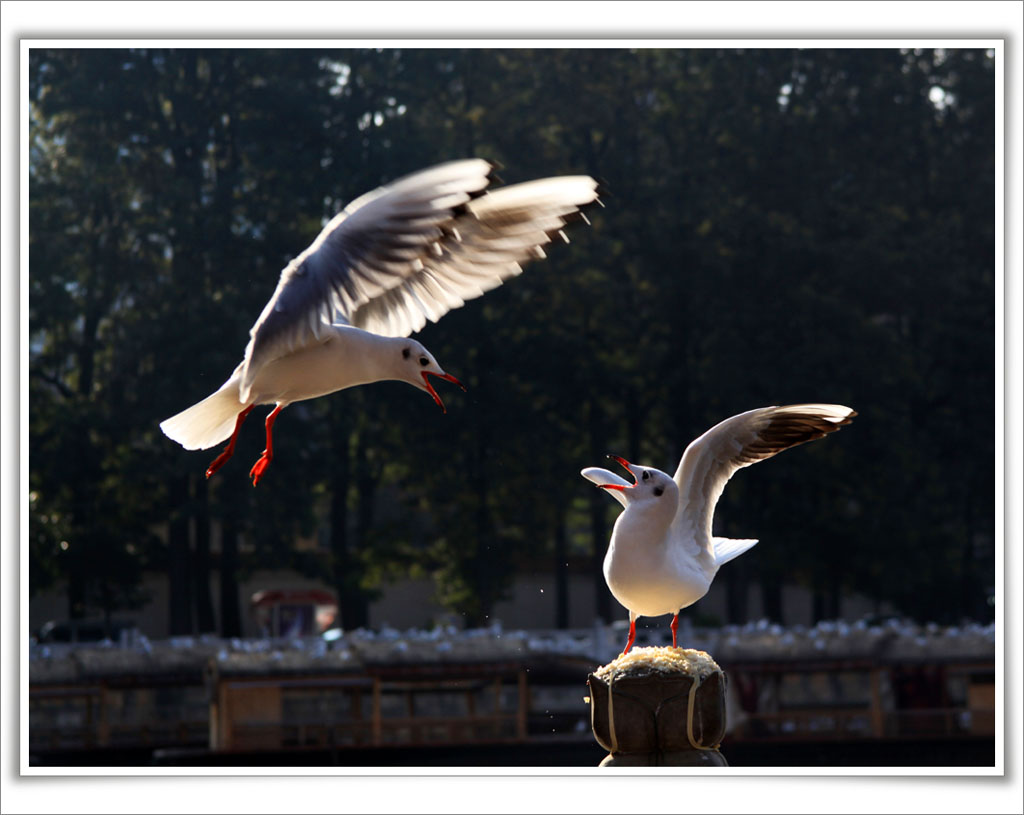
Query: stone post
[659, 707]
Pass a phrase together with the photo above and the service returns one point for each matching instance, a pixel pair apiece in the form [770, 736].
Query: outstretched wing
[711, 460]
[411, 251]
[486, 244]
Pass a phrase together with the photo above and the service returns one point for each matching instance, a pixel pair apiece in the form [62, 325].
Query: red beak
[430, 388]
[625, 464]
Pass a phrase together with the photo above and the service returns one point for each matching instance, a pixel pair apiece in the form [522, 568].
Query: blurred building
[410, 603]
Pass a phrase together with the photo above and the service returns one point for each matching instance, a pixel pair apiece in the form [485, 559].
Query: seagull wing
[367, 248]
[409, 251]
[485, 244]
[711, 460]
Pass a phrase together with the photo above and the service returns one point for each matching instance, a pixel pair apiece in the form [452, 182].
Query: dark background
[781, 226]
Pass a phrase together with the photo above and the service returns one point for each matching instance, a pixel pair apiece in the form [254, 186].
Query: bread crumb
[659, 660]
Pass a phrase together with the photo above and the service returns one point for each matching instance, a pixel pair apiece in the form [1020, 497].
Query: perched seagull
[662, 556]
[395, 257]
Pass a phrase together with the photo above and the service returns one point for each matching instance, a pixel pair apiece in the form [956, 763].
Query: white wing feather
[711, 460]
[409, 252]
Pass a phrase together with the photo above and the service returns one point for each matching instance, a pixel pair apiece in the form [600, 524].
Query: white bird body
[662, 556]
[394, 258]
[346, 357]
[645, 572]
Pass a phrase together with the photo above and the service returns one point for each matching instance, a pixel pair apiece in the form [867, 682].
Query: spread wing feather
[412, 251]
[711, 460]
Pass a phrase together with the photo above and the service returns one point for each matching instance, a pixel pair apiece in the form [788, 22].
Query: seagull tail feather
[726, 549]
[208, 422]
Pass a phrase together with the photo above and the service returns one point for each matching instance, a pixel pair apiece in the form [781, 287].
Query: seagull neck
[647, 521]
[372, 357]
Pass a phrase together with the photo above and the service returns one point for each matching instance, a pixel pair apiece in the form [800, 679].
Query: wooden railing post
[377, 723]
[877, 714]
[524, 706]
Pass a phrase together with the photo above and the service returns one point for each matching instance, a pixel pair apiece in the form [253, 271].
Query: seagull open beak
[629, 469]
[430, 388]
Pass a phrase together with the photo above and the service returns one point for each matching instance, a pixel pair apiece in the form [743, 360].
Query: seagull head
[649, 485]
[416, 365]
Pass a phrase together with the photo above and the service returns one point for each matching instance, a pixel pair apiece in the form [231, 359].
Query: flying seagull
[662, 556]
[343, 310]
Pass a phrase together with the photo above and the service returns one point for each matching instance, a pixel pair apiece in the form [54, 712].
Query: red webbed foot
[259, 468]
[219, 462]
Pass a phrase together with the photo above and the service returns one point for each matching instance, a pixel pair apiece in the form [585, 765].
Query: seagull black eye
[645, 476]
[405, 353]
[424, 361]
[659, 490]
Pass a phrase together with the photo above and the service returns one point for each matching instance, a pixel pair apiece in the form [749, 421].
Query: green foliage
[780, 226]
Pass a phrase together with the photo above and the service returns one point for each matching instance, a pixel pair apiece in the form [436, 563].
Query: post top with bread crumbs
[661, 661]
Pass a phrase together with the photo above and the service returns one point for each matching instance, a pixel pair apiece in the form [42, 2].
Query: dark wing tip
[492, 176]
[785, 430]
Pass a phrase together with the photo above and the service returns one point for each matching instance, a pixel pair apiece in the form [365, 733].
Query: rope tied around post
[695, 683]
[611, 715]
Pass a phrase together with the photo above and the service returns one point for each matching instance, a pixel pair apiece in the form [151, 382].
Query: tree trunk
[481, 570]
[634, 424]
[599, 537]
[561, 573]
[76, 595]
[598, 521]
[771, 594]
[83, 572]
[345, 574]
[736, 594]
[230, 615]
[179, 556]
[971, 601]
[835, 597]
[358, 600]
[205, 619]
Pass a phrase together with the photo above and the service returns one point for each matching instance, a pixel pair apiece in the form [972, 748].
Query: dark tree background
[813, 225]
